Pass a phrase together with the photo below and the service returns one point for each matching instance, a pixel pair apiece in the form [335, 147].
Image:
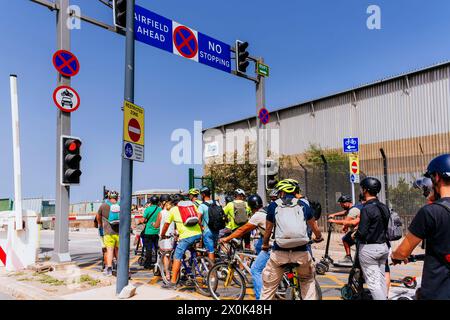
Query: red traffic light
[73, 145]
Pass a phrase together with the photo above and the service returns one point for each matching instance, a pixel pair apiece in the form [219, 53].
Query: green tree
[405, 199]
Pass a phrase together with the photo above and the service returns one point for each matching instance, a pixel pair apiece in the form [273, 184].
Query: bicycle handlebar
[411, 258]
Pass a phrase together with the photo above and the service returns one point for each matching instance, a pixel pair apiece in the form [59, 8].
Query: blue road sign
[168, 35]
[128, 150]
[66, 63]
[264, 115]
[351, 145]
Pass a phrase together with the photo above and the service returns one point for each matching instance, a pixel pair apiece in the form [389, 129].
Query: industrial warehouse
[402, 122]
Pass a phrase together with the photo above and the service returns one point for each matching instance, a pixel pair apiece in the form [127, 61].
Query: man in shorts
[108, 218]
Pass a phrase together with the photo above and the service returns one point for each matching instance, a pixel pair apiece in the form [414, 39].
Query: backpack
[216, 217]
[290, 224]
[114, 211]
[316, 208]
[394, 229]
[188, 213]
[240, 213]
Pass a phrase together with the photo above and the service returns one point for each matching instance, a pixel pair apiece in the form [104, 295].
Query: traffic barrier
[18, 248]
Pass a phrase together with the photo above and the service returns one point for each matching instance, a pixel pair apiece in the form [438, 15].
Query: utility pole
[61, 242]
[127, 165]
[261, 133]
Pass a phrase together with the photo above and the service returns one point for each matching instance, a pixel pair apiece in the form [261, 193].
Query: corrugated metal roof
[362, 86]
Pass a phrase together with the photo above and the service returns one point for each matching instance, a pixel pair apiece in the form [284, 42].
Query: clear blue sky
[314, 48]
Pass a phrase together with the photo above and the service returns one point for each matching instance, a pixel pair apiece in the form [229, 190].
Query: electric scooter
[324, 265]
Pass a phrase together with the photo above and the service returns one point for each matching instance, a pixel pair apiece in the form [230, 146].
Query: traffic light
[271, 170]
[70, 160]
[241, 56]
[120, 13]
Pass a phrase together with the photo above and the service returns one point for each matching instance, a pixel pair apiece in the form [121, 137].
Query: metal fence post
[325, 168]
[385, 176]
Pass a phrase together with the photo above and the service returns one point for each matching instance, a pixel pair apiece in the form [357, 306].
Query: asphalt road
[85, 249]
[5, 297]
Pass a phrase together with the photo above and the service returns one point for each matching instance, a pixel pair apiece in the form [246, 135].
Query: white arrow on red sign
[134, 130]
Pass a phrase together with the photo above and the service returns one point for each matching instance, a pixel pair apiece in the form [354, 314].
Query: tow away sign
[133, 132]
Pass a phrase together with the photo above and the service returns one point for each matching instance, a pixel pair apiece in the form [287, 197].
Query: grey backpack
[290, 224]
[240, 213]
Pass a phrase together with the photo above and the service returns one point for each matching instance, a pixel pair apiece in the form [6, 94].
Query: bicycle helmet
[164, 198]
[288, 186]
[205, 190]
[113, 195]
[255, 202]
[371, 184]
[228, 199]
[239, 192]
[194, 192]
[424, 184]
[176, 198]
[439, 165]
[344, 198]
[154, 200]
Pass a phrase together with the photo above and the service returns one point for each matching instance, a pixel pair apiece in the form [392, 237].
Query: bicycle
[293, 290]
[194, 269]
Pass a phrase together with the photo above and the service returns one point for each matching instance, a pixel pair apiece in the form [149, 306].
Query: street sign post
[133, 132]
[351, 145]
[171, 36]
[353, 161]
[262, 69]
[66, 99]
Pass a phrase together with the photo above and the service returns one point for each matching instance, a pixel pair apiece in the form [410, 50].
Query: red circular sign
[66, 63]
[264, 115]
[66, 99]
[134, 130]
[354, 167]
[185, 41]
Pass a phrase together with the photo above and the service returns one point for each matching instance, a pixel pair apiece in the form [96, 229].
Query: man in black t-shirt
[432, 223]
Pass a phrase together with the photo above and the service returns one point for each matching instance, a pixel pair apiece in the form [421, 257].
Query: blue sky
[313, 47]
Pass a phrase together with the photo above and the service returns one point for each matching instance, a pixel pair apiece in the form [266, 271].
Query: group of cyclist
[285, 229]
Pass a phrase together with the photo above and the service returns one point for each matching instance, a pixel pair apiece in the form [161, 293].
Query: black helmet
[371, 184]
[164, 198]
[439, 165]
[255, 202]
[176, 198]
[424, 184]
[229, 199]
[345, 198]
[154, 200]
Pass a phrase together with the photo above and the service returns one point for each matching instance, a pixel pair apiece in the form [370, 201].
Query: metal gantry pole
[61, 241]
[127, 165]
[261, 142]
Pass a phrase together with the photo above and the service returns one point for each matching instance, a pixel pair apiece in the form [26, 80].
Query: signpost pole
[127, 165]
[353, 193]
[61, 241]
[261, 136]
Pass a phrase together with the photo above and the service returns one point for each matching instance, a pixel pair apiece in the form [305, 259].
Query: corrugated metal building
[407, 115]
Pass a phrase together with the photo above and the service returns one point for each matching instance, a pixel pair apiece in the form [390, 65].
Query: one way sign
[351, 145]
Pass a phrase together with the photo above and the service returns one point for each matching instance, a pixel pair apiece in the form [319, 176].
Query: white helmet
[239, 192]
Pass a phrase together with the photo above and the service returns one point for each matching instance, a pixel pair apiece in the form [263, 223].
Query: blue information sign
[168, 35]
[351, 145]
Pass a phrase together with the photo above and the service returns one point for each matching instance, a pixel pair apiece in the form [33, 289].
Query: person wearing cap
[432, 224]
[351, 213]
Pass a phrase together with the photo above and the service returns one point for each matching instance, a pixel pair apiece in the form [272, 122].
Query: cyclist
[373, 245]
[165, 245]
[432, 223]
[193, 196]
[210, 235]
[151, 234]
[188, 234]
[273, 195]
[237, 213]
[351, 213]
[108, 218]
[257, 221]
[289, 217]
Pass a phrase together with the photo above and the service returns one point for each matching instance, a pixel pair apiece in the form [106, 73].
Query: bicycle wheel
[162, 270]
[200, 269]
[225, 282]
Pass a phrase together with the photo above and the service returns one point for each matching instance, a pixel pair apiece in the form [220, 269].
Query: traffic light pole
[261, 134]
[61, 240]
[127, 165]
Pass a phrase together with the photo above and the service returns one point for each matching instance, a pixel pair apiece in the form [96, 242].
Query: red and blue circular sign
[185, 41]
[66, 63]
[264, 116]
